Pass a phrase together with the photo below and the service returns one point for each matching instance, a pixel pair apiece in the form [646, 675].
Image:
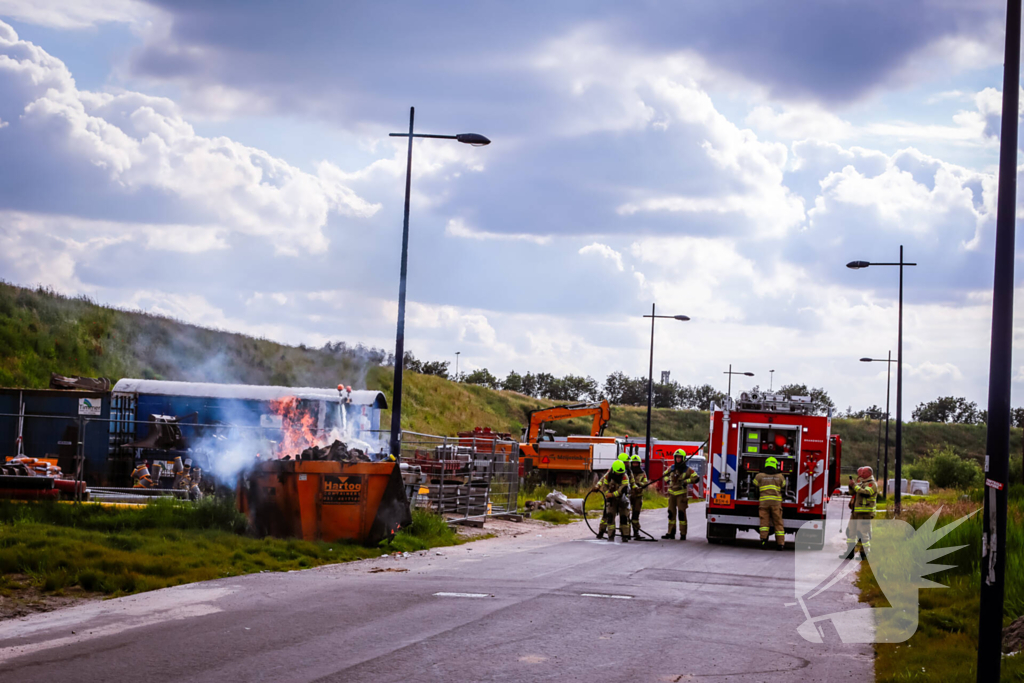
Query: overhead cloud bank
[108, 154]
[708, 171]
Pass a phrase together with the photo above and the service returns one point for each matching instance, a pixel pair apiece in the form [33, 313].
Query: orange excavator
[576, 457]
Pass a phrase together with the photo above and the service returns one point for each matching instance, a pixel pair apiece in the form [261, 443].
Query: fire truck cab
[757, 427]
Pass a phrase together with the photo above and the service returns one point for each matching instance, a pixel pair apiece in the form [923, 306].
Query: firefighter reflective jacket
[610, 488]
[769, 487]
[865, 495]
[678, 480]
[639, 480]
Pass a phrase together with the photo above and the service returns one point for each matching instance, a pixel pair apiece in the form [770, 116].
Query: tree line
[620, 389]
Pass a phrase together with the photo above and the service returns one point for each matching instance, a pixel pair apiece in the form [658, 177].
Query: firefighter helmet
[680, 453]
[864, 472]
[624, 457]
[772, 462]
[636, 458]
[619, 467]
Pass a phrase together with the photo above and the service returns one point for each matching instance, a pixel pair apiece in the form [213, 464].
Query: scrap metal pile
[23, 478]
[556, 500]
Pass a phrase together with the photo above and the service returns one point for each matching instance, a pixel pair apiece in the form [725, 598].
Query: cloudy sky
[228, 163]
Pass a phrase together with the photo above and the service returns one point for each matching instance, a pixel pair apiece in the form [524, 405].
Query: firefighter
[636, 493]
[865, 495]
[677, 479]
[769, 488]
[615, 487]
[624, 459]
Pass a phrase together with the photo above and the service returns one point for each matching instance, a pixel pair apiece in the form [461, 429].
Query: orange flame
[297, 425]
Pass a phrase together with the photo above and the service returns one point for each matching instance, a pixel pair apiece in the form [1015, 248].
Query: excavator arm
[601, 412]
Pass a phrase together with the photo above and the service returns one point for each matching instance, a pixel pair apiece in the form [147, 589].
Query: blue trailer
[44, 423]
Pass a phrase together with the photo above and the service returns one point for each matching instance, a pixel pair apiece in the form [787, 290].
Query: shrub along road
[553, 604]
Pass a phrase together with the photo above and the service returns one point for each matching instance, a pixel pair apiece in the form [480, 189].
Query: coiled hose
[600, 513]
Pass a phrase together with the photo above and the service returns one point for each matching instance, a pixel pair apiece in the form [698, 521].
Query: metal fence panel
[463, 477]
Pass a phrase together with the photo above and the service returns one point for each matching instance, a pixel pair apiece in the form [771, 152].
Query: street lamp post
[771, 380]
[457, 365]
[731, 373]
[650, 385]
[396, 399]
[857, 265]
[888, 383]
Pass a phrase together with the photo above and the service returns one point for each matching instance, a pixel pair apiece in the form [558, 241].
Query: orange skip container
[329, 501]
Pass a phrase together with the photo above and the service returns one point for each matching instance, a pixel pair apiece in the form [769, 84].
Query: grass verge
[944, 648]
[118, 551]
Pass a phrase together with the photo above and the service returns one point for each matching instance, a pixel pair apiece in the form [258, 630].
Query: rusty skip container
[329, 501]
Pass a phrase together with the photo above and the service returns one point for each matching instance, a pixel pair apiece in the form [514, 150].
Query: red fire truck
[760, 426]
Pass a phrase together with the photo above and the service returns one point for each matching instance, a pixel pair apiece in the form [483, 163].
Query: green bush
[945, 468]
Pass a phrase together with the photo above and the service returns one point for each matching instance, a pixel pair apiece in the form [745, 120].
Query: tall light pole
[771, 380]
[396, 400]
[888, 384]
[650, 384]
[731, 373]
[997, 460]
[457, 365]
[857, 265]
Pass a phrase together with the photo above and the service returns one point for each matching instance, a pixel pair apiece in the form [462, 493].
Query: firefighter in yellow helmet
[769, 485]
[615, 487]
[624, 459]
[636, 493]
[865, 494]
[678, 478]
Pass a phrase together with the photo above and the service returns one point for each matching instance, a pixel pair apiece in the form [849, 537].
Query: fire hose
[604, 504]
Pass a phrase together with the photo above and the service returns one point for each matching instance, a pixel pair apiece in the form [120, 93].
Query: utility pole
[997, 458]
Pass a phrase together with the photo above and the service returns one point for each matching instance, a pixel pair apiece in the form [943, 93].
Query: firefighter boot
[671, 529]
[848, 555]
[611, 535]
[636, 531]
[600, 534]
[625, 535]
[682, 533]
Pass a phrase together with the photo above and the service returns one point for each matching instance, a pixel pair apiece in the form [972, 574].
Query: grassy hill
[43, 332]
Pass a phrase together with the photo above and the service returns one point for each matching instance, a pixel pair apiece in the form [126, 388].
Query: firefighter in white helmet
[864, 492]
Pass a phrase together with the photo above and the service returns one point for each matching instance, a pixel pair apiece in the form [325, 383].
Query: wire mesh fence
[464, 477]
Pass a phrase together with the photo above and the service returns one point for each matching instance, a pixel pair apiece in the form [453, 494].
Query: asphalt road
[547, 605]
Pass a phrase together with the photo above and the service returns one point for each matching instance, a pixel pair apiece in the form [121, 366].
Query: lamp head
[474, 139]
[857, 265]
[684, 318]
[865, 360]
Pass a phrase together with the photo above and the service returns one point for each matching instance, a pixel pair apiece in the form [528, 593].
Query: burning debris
[336, 452]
